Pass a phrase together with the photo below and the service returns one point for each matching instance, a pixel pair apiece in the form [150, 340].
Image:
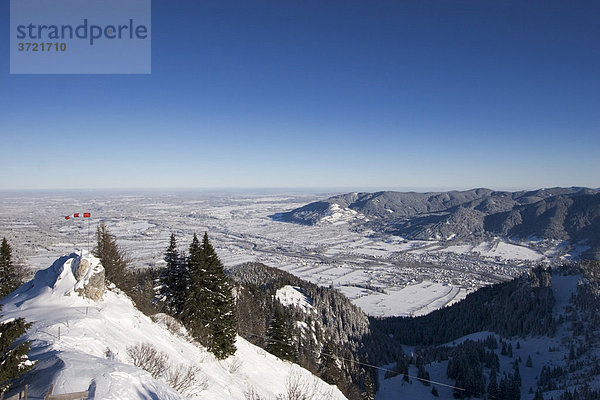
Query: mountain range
[569, 214]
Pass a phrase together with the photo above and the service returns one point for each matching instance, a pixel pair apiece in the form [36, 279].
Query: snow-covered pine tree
[209, 310]
[164, 291]
[8, 277]
[280, 341]
[13, 355]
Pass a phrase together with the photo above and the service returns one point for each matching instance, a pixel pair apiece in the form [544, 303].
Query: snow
[576, 252]
[458, 248]
[79, 344]
[338, 215]
[293, 296]
[412, 300]
[511, 251]
[396, 388]
[497, 248]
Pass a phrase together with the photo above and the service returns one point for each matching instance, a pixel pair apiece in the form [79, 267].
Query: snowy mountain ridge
[570, 215]
[80, 344]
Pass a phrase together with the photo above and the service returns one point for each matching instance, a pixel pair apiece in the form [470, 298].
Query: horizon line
[305, 189]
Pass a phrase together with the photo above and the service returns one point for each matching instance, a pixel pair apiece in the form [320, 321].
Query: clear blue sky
[320, 93]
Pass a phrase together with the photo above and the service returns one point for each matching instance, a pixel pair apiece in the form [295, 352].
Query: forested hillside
[326, 334]
[519, 307]
[536, 337]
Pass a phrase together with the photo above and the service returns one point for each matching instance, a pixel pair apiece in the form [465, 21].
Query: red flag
[67, 217]
[76, 215]
[86, 215]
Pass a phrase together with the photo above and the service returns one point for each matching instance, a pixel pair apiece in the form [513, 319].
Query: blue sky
[322, 94]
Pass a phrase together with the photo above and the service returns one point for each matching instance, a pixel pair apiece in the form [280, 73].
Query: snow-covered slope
[294, 296]
[336, 214]
[80, 344]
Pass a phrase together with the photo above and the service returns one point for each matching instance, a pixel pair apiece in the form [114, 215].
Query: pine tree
[503, 389]
[112, 258]
[209, 309]
[509, 388]
[13, 355]
[571, 353]
[514, 391]
[493, 385]
[223, 330]
[329, 370]
[196, 315]
[195, 257]
[517, 377]
[172, 254]
[174, 279]
[538, 395]
[426, 379]
[369, 392]
[529, 363]
[422, 374]
[280, 341]
[8, 278]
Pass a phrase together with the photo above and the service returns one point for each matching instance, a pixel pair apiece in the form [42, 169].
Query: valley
[385, 275]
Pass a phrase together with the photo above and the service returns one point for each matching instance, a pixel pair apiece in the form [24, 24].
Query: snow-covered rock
[82, 344]
[89, 274]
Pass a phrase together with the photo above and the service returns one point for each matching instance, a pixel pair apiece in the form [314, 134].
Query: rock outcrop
[90, 278]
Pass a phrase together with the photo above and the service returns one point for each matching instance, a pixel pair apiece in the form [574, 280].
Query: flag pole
[83, 216]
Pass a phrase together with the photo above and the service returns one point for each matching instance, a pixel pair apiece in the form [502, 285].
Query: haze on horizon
[415, 95]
